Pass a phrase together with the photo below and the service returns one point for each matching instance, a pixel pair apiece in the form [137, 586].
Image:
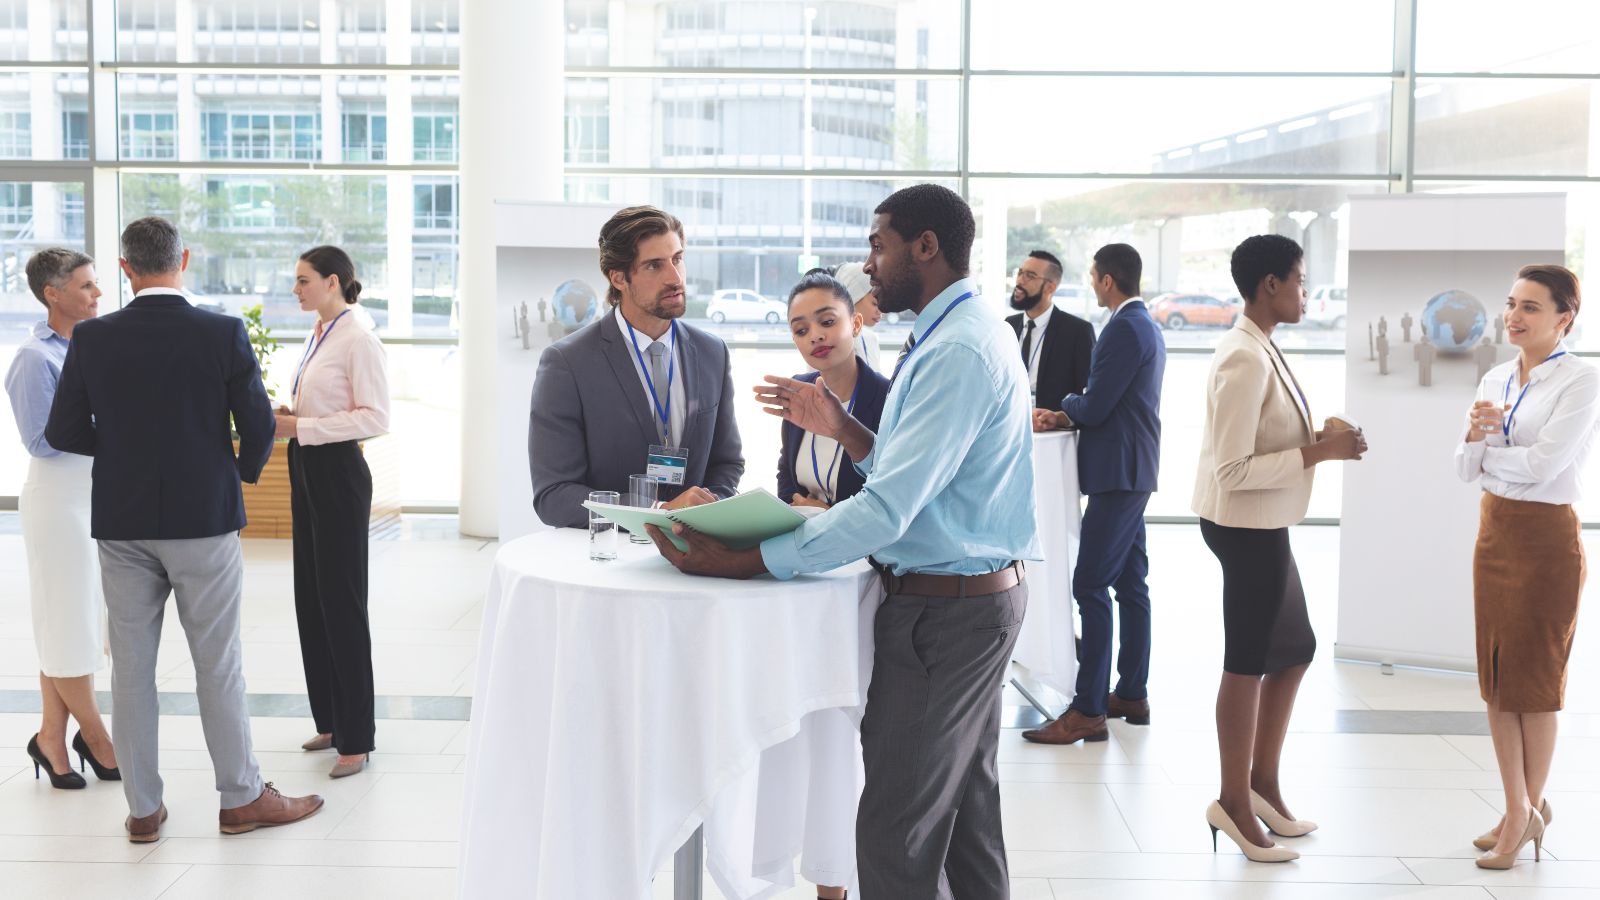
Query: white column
[332, 124]
[512, 107]
[400, 223]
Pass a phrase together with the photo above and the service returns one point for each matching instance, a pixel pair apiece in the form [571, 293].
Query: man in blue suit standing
[1119, 448]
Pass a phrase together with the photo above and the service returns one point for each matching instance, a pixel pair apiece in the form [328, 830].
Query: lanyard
[838, 449]
[312, 346]
[1507, 396]
[926, 334]
[665, 412]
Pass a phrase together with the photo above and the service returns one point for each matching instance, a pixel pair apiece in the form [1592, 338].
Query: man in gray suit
[636, 392]
[148, 392]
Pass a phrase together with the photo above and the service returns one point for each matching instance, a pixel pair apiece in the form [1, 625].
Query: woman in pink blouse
[339, 396]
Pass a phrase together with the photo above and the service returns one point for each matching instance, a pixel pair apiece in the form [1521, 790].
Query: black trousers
[331, 499]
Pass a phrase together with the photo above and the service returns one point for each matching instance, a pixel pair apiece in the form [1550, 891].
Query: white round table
[620, 705]
[1046, 644]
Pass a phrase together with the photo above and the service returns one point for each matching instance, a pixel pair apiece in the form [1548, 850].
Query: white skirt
[63, 566]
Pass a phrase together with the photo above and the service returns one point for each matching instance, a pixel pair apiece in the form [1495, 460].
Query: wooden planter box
[266, 503]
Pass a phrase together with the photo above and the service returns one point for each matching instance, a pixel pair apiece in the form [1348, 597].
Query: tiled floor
[1120, 819]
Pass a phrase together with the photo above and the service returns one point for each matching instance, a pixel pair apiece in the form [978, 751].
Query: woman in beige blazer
[1254, 482]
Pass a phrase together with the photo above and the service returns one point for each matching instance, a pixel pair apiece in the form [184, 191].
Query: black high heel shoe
[103, 773]
[71, 781]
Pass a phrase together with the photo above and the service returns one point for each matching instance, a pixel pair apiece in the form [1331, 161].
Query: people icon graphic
[1405, 327]
[1486, 356]
[1424, 354]
[1383, 350]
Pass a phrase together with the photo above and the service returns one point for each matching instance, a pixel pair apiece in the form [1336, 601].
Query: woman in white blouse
[1528, 437]
[339, 396]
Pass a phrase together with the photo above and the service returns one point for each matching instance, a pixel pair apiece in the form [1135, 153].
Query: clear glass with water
[602, 531]
[641, 493]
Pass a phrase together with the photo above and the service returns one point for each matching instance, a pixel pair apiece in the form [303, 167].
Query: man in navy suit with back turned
[1119, 447]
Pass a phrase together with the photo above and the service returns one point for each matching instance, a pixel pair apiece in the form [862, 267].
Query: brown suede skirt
[1527, 575]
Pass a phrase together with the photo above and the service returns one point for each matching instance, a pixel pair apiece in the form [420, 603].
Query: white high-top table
[621, 705]
[1046, 644]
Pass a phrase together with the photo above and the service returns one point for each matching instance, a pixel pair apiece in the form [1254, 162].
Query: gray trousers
[929, 822]
[206, 578]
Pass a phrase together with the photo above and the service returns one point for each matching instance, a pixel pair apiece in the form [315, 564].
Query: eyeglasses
[1025, 276]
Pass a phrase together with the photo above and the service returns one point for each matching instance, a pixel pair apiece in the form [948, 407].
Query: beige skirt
[1527, 575]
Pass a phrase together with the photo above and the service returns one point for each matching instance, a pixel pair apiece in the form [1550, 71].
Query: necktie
[1027, 344]
[904, 349]
[658, 377]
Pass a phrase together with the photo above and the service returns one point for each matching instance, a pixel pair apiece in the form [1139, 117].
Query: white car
[1327, 306]
[737, 305]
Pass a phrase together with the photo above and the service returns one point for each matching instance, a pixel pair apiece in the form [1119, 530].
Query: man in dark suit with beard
[1056, 345]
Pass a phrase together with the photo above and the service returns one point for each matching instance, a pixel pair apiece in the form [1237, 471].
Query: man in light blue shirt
[947, 514]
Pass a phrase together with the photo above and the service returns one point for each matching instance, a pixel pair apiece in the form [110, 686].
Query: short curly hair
[930, 207]
[1257, 257]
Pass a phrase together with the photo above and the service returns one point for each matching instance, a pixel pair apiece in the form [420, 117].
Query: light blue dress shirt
[680, 400]
[31, 383]
[949, 486]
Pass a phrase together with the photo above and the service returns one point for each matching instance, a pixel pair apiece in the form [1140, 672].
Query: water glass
[641, 493]
[602, 531]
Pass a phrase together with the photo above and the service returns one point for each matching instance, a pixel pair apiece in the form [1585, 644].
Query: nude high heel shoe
[1488, 839]
[1218, 819]
[1534, 832]
[1279, 824]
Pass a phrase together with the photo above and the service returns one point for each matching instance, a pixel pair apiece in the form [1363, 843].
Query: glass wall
[209, 149]
[1069, 126]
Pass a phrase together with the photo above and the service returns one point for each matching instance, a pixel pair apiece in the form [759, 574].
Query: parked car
[1327, 306]
[738, 305]
[1179, 311]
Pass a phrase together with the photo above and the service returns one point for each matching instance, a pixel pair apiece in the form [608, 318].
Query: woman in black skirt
[339, 396]
[1254, 482]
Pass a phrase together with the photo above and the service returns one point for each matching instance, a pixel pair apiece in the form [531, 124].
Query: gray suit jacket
[591, 424]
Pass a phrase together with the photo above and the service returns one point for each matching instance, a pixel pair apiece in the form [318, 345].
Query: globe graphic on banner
[575, 304]
[1454, 320]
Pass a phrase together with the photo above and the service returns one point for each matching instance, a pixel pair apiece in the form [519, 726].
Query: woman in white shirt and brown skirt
[339, 396]
[1528, 437]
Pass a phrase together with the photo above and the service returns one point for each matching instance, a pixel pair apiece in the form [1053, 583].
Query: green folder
[739, 522]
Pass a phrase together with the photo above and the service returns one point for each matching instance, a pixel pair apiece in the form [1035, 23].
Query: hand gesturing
[811, 406]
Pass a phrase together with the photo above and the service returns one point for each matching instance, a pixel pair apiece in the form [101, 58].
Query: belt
[960, 586]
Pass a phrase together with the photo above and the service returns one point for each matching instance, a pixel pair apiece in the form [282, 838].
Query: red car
[1179, 311]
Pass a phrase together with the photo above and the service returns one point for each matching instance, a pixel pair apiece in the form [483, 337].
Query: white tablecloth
[621, 704]
[1045, 645]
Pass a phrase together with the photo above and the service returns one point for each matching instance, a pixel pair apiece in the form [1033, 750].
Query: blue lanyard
[312, 346]
[838, 449]
[926, 334]
[665, 412]
[1506, 398]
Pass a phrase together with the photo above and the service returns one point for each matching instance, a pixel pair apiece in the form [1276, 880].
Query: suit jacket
[591, 425]
[147, 391]
[1251, 473]
[872, 391]
[1119, 412]
[1064, 358]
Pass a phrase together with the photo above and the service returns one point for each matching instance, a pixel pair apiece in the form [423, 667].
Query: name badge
[667, 464]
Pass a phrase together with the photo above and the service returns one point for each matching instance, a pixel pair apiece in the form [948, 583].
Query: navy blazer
[147, 391]
[1064, 358]
[1119, 413]
[873, 390]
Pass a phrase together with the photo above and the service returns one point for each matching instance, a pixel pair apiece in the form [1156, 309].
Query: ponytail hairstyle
[1563, 287]
[328, 261]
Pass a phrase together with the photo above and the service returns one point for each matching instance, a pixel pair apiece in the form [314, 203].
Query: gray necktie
[658, 377]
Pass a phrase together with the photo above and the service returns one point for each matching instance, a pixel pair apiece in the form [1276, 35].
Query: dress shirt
[867, 347]
[680, 403]
[949, 485]
[1551, 434]
[31, 384]
[1040, 323]
[344, 383]
[1125, 303]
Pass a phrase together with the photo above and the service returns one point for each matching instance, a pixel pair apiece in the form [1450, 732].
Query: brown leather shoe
[1134, 712]
[1069, 728]
[146, 829]
[267, 810]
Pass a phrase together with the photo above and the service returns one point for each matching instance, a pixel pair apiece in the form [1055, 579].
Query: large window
[260, 128]
[1068, 126]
